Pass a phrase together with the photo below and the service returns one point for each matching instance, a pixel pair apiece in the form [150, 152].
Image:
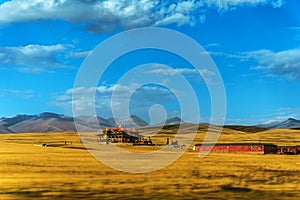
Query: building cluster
[122, 135]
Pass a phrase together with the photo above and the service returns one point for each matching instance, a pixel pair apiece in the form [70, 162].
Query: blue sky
[254, 43]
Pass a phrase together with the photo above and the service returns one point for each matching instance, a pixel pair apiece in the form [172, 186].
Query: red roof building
[238, 148]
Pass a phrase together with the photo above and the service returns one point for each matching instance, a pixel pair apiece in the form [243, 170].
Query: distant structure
[238, 148]
[292, 150]
[122, 135]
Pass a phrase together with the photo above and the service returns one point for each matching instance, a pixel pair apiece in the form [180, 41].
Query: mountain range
[52, 122]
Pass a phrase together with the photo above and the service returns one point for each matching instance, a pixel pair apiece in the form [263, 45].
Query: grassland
[68, 171]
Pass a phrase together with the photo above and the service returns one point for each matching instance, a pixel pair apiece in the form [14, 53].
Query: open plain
[66, 170]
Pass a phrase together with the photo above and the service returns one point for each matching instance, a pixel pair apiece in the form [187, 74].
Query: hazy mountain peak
[174, 120]
[292, 119]
[3, 129]
[47, 115]
[281, 123]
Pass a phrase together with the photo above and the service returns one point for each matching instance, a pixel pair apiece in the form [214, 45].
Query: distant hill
[285, 123]
[170, 121]
[7, 122]
[44, 122]
[174, 120]
[3, 129]
[248, 129]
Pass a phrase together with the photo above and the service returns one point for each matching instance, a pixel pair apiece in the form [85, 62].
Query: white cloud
[285, 63]
[32, 58]
[101, 98]
[176, 18]
[107, 15]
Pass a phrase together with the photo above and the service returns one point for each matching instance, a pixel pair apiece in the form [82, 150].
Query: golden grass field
[69, 171]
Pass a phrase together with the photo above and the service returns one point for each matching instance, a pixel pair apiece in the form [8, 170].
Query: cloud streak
[79, 55]
[108, 15]
[224, 5]
[205, 73]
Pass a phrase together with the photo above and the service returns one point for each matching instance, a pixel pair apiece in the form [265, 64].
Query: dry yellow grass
[69, 171]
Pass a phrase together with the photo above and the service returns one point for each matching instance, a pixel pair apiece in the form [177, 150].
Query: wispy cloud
[104, 16]
[297, 28]
[288, 112]
[205, 73]
[276, 114]
[23, 94]
[284, 63]
[32, 58]
[212, 45]
[273, 115]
